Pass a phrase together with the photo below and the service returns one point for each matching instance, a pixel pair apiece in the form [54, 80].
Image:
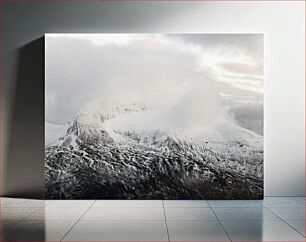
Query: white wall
[282, 23]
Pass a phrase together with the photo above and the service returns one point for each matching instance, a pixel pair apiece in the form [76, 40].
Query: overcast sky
[210, 71]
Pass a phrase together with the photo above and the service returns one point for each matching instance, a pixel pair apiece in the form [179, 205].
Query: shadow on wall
[28, 230]
[25, 164]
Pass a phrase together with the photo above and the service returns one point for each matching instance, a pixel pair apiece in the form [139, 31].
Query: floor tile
[196, 231]
[118, 231]
[57, 213]
[70, 203]
[39, 230]
[261, 231]
[235, 203]
[128, 203]
[289, 213]
[22, 203]
[124, 214]
[298, 225]
[189, 214]
[7, 228]
[300, 200]
[185, 203]
[244, 214]
[16, 213]
[281, 202]
[143, 220]
[4, 224]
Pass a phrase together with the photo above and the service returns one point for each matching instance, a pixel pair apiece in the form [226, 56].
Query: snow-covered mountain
[132, 152]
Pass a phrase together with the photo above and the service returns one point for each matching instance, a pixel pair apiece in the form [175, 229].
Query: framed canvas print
[154, 116]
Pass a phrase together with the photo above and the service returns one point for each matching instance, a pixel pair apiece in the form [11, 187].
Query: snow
[53, 132]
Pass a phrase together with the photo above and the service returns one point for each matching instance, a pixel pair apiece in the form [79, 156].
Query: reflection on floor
[274, 219]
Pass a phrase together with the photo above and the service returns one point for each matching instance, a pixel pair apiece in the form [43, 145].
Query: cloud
[236, 59]
[185, 74]
[80, 74]
[249, 116]
[250, 44]
[242, 68]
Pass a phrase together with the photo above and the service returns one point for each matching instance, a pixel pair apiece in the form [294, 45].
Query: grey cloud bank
[156, 71]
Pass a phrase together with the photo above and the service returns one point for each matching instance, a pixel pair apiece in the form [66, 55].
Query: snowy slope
[53, 132]
[139, 152]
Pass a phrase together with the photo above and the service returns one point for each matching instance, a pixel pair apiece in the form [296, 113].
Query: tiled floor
[274, 219]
